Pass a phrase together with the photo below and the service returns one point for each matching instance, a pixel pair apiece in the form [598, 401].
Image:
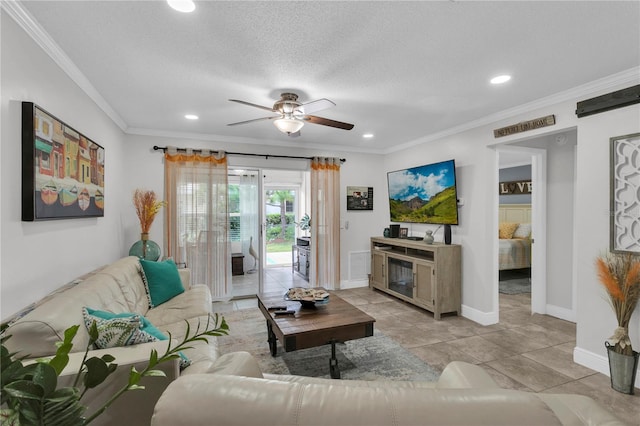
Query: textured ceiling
[400, 70]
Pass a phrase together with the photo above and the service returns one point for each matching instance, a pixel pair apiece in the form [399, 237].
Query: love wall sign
[515, 187]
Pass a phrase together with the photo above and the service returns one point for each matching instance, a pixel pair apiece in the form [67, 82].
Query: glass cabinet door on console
[400, 276]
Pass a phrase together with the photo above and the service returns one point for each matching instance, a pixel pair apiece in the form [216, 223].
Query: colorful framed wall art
[62, 169]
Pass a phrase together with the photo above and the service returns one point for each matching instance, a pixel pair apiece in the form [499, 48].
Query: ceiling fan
[292, 115]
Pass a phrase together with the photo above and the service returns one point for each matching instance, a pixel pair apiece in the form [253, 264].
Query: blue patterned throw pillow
[121, 330]
[146, 332]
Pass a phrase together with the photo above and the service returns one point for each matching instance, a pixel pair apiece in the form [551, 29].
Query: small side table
[237, 264]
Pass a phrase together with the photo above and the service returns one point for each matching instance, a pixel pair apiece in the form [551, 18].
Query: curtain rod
[266, 156]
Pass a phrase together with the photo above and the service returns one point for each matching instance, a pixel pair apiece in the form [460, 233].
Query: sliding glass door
[244, 223]
[280, 225]
[264, 207]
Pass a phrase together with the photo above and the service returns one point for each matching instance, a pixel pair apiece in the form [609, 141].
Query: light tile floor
[527, 352]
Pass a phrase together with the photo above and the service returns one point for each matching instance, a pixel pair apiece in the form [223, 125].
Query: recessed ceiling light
[182, 5]
[367, 135]
[500, 79]
[191, 117]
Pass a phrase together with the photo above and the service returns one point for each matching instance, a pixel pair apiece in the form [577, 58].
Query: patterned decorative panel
[625, 194]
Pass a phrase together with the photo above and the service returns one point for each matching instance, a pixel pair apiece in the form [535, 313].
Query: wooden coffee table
[337, 321]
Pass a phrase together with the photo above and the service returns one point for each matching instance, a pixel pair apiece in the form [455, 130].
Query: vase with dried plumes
[147, 207]
[619, 274]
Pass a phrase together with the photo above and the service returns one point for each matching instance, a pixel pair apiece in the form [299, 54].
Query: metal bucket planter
[622, 369]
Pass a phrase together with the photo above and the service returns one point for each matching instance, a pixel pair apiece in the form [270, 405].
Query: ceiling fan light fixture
[184, 6]
[288, 125]
[501, 79]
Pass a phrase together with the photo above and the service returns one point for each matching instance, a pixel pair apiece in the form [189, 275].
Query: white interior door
[538, 159]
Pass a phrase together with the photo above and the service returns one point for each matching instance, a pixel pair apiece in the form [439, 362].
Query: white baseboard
[595, 362]
[482, 318]
[562, 313]
[345, 284]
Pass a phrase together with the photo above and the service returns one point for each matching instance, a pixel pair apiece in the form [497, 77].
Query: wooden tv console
[426, 275]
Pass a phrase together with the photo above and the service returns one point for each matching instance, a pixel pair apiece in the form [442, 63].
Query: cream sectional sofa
[117, 288]
[237, 393]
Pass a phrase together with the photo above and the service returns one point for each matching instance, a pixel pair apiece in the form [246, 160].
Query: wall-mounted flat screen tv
[424, 194]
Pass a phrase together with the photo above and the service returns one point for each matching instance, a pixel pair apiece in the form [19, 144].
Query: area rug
[373, 358]
[515, 281]
[515, 286]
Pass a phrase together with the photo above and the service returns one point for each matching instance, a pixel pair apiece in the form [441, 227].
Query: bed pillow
[162, 280]
[523, 231]
[506, 230]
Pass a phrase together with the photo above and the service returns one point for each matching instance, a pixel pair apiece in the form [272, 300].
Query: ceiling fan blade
[318, 105]
[255, 119]
[327, 122]
[253, 105]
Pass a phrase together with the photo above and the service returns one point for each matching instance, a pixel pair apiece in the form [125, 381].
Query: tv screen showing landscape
[425, 194]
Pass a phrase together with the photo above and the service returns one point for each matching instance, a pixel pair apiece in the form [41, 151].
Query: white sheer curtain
[325, 223]
[197, 225]
[249, 231]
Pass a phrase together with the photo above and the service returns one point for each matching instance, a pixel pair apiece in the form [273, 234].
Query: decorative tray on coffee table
[308, 297]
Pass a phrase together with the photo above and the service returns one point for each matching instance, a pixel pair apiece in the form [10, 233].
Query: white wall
[559, 217]
[596, 320]
[37, 257]
[474, 163]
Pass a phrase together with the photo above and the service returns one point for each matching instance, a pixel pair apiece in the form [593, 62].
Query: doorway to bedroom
[535, 256]
[514, 224]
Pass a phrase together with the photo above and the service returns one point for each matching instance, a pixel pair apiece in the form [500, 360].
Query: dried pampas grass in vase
[147, 207]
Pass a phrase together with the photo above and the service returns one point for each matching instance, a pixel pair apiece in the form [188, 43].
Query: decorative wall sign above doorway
[524, 126]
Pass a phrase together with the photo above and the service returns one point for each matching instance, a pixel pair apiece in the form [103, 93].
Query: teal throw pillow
[162, 280]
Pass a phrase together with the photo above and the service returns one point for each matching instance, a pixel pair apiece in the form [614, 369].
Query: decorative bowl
[308, 297]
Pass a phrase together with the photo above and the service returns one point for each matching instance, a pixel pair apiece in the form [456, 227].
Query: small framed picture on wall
[359, 198]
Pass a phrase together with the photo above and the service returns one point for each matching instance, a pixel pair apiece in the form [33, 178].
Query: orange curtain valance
[326, 164]
[182, 157]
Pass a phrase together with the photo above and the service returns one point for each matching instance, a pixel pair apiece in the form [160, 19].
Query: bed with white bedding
[514, 234]
[514, 253]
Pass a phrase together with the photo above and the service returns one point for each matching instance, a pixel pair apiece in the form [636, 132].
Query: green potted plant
[305, 226]
[30, 393]
[305, 223]
[619, 273]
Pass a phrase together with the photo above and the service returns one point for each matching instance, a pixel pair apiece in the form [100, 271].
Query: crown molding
[248, 141]
[605, 84]
[24, 19]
